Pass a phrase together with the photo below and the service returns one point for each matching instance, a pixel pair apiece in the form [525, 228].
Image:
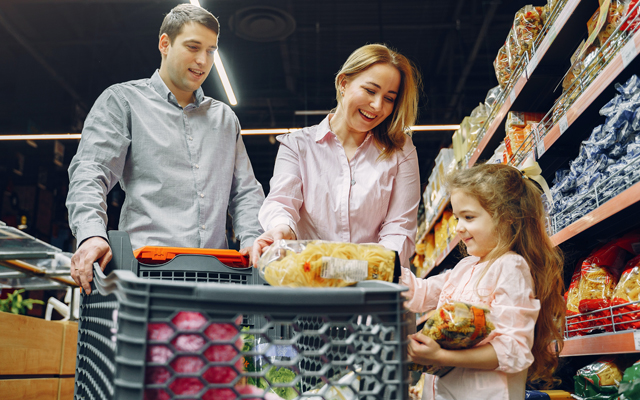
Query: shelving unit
[533, 90]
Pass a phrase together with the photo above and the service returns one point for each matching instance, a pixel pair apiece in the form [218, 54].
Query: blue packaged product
[633, 150]
[560, 175]
[635, 120]
[630, 87]
[611, 106]
[568, 183]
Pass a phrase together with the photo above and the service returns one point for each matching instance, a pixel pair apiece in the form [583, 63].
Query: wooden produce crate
[37, 358]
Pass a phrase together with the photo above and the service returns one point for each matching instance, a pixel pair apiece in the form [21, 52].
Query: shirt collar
[161, 88]
[324, 129]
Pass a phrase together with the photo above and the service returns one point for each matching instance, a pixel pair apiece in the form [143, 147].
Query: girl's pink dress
[507, 289]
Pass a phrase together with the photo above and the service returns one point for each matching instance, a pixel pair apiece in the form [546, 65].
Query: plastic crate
[158, 339]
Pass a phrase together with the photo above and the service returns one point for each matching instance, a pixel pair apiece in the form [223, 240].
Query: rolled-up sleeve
[282, 205]
[423, 294]
[514, 311]
[398, 230]
[98, 165]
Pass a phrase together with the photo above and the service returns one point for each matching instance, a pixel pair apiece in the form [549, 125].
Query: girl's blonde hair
[390, 133]
[515, 203]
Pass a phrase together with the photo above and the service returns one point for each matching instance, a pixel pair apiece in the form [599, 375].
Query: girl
[514, 270]
[354, 177]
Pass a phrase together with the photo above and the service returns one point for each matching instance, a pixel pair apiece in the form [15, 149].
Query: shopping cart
[187, 335]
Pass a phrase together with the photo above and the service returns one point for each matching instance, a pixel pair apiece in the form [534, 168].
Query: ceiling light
[435, 128]
[311, 112]
[223, 78]
[43, 136]
[195, 3]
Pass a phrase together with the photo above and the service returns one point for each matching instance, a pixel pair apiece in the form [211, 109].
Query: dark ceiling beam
[44, 63]
[486, 24]
[448, 41]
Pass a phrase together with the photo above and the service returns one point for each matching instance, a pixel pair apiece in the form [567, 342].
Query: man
[177, 154]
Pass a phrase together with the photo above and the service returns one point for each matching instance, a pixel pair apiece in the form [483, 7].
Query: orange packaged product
[527, 25]
[572, 298]
[626, 316]
[160, 255]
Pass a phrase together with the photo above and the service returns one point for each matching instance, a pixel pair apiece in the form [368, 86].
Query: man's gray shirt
[181, 169]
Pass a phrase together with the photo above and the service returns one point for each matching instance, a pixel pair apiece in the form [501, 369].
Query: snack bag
[599, 380]
[630, 384]
[455, 326]
[527, 25]
[501, 66]
[317, 263]
[627, 291]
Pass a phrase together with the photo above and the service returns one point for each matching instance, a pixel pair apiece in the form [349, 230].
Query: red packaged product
[628, 291]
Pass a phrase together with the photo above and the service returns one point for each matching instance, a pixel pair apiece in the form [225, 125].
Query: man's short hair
[184, 14]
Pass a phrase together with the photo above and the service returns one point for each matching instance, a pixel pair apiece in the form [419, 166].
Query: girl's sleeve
[514, 311]
[398, 230]
[282, 205]
[423, 294]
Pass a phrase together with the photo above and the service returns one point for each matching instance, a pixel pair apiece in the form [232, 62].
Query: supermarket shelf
[434, 220]
[605, 343]
[622, 201]
[600, 83]
[575, 13]
[450, 247]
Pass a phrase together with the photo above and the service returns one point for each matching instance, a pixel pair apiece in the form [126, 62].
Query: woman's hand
[281, 231]
[424, 351]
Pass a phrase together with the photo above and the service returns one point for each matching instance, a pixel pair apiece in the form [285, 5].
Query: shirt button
[190, 138]
[201, 194]
[197, 166]
[202, 227]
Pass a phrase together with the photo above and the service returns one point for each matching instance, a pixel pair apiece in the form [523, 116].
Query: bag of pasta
[599, 276]
[527, 25]
[575, 322]
[317, 263]
[599, 380]
[455, 326]
[501, 66]
[627, 316]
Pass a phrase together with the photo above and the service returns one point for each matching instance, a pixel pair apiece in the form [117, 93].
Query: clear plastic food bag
[317, 263]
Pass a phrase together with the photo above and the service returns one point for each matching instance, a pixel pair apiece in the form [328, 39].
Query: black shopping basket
[186, 335]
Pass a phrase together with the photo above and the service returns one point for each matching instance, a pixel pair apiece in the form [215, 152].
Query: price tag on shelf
[540, 148]
[636, 339]
[628, 52]
[533, 63]
[448, 248]
[552, 33]
[512, 96]
[563, 124]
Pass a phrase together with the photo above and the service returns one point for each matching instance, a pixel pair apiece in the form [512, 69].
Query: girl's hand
[424, 351]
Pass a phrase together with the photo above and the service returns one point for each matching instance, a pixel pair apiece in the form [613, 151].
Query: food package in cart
[454, 326]
[317, 263]
[627, 316]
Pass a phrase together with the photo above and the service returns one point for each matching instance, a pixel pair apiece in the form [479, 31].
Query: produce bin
[182, 335]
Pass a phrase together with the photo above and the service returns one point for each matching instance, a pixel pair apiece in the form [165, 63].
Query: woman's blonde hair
[390, 133]
[515, 203]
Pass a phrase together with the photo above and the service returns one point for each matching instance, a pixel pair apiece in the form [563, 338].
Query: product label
[563, 124]
[347, 270]
[628, 52]
[636, 339]
[533, 63]
[512, 96]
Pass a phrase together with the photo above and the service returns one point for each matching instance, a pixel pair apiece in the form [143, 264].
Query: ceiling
[281, 56]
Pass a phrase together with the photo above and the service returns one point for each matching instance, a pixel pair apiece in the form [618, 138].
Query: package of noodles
[454, 326]
[501, 66]
[575, 324]
[317, 263]
[630, 384]
[626, 309]
[599, 380]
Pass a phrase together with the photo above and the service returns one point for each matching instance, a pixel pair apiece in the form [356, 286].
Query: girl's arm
[398, 230]
[423, 294]
[425, 351]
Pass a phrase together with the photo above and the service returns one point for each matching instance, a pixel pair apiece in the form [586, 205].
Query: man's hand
[281, 231]
[91, 250]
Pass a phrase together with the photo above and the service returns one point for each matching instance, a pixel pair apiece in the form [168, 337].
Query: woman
[354, 177]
